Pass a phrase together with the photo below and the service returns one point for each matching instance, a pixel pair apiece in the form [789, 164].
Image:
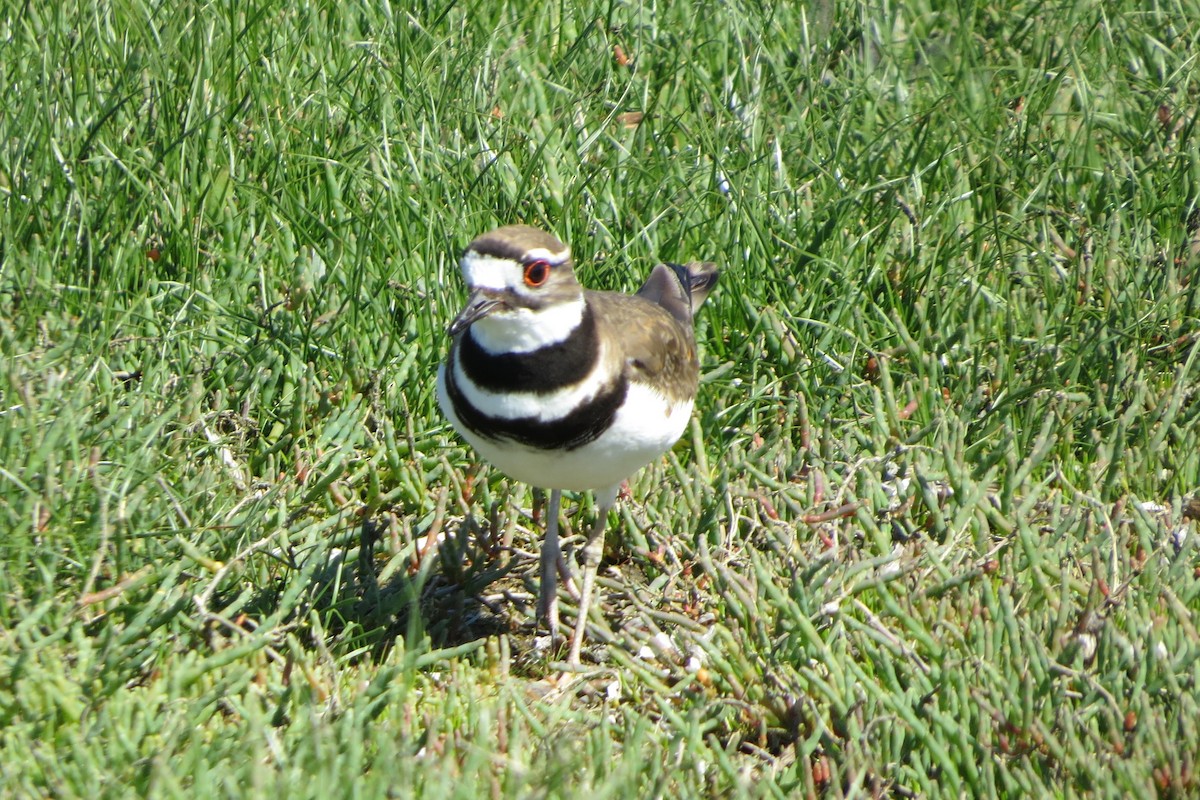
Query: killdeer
[562, 387]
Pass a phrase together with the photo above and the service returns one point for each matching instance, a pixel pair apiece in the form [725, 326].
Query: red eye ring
[536, 273]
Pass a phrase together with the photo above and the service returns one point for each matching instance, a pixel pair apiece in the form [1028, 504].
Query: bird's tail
[702, 277]
[680, 289]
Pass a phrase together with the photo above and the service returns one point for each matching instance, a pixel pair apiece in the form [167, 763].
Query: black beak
[481, 303]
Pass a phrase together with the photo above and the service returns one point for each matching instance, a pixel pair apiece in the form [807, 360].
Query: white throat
[523, 330]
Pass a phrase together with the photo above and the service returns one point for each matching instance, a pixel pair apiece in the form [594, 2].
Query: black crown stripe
[515, 251]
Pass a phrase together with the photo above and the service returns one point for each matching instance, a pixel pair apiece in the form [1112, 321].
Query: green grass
[934, 531]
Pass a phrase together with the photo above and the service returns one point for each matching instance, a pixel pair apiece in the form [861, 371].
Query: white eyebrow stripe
[542, 254]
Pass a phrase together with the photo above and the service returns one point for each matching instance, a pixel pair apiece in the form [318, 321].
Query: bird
[567, 388]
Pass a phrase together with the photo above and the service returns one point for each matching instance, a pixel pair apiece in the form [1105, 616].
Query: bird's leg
[568, 580]
[567, 576]
[592, 551]
[547, 607]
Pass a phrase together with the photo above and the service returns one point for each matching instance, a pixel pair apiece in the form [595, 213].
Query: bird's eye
[536, 273]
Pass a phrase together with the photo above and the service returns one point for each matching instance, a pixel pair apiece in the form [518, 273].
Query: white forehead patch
[482, 271]
[489, 272]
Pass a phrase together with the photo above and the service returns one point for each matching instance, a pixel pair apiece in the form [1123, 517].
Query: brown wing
[653, 345]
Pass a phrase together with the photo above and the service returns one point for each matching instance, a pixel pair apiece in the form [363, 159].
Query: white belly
[644, 428]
